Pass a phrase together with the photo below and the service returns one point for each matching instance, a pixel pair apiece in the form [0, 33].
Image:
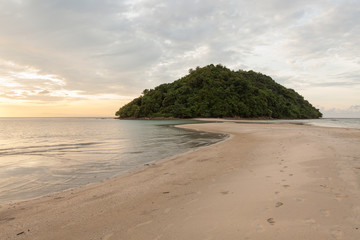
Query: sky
[66, 58]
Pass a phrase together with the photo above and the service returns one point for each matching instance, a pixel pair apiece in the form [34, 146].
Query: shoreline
[9, 195]
[228, 136]
[266, 181]
[130, 170]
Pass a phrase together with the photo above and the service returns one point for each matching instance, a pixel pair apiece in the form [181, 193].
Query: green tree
[215, 91]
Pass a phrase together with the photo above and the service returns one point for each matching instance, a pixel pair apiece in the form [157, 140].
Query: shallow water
[43, 155]
[333, 122]
[353, 123]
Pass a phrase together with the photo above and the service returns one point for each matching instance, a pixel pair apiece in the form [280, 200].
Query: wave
[36, 149]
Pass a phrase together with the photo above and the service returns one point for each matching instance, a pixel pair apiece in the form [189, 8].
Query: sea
[39, 156]
[353, 123]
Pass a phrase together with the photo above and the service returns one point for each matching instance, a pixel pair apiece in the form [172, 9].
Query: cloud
[327, 31]
[351, 112]
[44, 92]
[355, 108]
[27, 84]
[97, 48]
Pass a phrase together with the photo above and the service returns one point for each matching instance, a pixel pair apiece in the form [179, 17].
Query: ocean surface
[332, 122]
[39, 156]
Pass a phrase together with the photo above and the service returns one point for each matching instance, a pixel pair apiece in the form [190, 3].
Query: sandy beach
[266, 181]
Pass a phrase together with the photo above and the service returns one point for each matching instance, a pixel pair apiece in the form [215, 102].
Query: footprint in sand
[278, 204]
[339, 196]
[336, 233]
[158, 237]
[108, 236]
[259, 228]
[310, 221]
[271, 221]
[286, 186]
[356, 209]
[291, 174]
[325, 212]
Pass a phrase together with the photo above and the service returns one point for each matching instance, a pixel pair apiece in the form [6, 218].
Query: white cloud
[28, 84]
[99, 48]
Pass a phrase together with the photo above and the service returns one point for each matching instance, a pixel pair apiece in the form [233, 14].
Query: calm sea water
[43, 155]
[333, 122]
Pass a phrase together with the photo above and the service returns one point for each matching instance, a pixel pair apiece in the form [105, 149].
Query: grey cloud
[335, 84]
[351, 75]
[355, 108]
[99, 35]
[126, 46]
[350, 112]
[347, 79]
[333, 30]
[44, 92]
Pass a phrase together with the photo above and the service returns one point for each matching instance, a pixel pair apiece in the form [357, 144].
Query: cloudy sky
[89, 57]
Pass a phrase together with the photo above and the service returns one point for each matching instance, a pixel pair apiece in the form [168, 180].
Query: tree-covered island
[216, 91]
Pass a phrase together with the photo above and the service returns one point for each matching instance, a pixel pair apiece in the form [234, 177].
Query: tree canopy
[216, 91]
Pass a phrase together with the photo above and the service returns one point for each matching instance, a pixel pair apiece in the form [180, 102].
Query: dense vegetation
[215, 91]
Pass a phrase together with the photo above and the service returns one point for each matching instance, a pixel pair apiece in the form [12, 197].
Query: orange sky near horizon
[89, 108]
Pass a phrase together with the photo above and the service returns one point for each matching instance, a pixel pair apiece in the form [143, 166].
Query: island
[215, 91]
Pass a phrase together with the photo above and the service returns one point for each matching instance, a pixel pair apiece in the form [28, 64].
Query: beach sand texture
[267, 181]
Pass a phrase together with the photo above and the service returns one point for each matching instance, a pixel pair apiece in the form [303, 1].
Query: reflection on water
[44, 155]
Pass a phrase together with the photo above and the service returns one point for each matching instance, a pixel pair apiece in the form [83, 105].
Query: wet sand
[266, 181]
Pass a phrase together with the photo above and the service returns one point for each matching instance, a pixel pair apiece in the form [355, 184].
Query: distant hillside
[215, 91]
